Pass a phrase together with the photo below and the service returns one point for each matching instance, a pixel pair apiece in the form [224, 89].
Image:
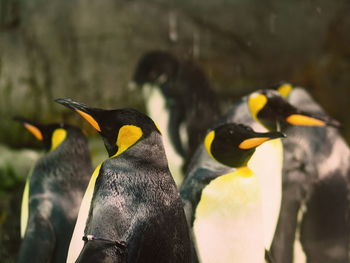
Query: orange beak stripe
[252, 142]
[34, 130]
[297, 119]
[89, 119]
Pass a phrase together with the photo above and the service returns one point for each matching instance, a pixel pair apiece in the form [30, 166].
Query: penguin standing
[131, 211]
[315, 204]
[53, 192]
[270, 109]
[223, 201]
[262, 110]
[181, 101]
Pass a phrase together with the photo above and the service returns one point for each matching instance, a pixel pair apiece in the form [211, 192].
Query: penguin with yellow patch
[314, 225]
[223, 200]
[270, 109]
[274, 112]
[262, 110]
[53, 192]
[131, 211]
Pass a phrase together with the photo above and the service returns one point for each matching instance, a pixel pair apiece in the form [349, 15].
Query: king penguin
[314, 224]
[53, 192]
[273, 112]
[223, 201]
[263, 110]
[131, 210]
[180, 99]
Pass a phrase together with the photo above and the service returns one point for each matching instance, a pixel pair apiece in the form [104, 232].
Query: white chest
[76, 244]
[267, 162]
[157, 110]
[228, 224]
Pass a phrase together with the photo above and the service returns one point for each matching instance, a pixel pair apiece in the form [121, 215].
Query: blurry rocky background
[87, 50]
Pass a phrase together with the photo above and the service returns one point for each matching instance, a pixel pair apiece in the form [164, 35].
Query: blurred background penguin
[53, 192]
[179, 98]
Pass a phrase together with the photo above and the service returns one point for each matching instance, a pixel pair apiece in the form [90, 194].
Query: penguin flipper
[191, 190]
[39, 241]
[268, 257]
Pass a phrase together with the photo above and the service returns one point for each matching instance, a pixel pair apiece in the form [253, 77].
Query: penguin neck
[74, 147]
[75, 144]
[272, 125]
[244, 171]
[150, 149]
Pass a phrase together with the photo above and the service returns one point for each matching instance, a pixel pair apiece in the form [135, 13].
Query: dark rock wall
[87, 50]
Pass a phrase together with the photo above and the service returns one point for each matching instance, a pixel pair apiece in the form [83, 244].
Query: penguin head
[156, 68]
[51, 135]
[270, 109]
[120, 128]
[233, 144]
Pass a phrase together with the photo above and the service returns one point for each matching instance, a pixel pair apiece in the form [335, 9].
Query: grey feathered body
[316, 174]
[136, 201]
[57, 185]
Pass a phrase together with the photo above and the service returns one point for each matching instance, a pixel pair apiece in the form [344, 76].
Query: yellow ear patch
[252, 142]
[285, 90]
[34, 130]
[128, 135]
[297, 119]
[208, 141]
[255, 103]
[89, 119]
[58, 137]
